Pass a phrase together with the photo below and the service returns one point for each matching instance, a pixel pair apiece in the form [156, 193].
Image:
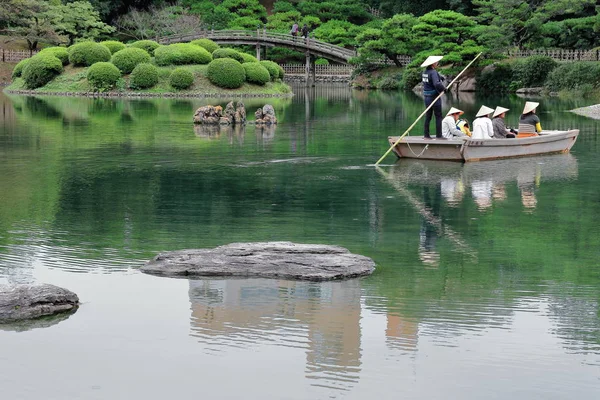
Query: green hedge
[113, 45]
[41, 69]
[580, 75]
[226, 73]
[181, 78]
[496, 79]
[272, 67]
[144, 76]
[207, 44]
[532, 71]
[127, 59]
[149, 45]
[228, 53]
[248, 58]
[321, 61]
[181, 53]
[103, 76]
[281, 72]
[18, 70]
[256, 73]
[88, 53]
[59, 52]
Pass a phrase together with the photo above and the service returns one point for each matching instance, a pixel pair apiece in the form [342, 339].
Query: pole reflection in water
[320, 318]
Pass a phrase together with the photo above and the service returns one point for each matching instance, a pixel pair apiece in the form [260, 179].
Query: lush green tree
[354, 11]
[32, 20]
[157, 22]
[79, 20]
[394, 39]
[523, 20]
[342, 33]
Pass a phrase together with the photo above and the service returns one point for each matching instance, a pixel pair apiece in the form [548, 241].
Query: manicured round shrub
[180, 54]
[144, 76]
[148, 45]
[18, 70]
[181, 78]
[103, 76]
[88, 53]
[113, 45]
[533, 71]
[41, 69]
[207, 44]
[256, 73]
[321, 61]
[272, 67]
[127, 59]
[226, 73]
[281, 72]
[59, 52]
[228, 53]
[248, 58]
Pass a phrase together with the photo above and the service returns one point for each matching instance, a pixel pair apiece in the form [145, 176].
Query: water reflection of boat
[548, 142]
[521, 170]
[321, 318]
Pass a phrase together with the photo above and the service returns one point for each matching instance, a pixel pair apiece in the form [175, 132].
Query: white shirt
[482, 128]
[449, 128]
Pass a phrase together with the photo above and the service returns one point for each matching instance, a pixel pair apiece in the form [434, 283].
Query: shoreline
[592, 111]
[141, 94]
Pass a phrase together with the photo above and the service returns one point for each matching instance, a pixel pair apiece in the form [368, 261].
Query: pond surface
[488, 278]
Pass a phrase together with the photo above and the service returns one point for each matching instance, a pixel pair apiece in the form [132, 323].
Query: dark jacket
[432, 82]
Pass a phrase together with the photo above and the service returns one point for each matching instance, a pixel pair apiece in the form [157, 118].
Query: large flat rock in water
[283, 260]
[23, 302]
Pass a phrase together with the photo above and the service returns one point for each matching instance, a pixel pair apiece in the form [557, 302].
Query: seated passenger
[500, 131]
[529, 124]
[449, 128]
[482, 125]
[463, 124]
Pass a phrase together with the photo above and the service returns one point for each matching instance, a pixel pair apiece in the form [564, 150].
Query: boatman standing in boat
[432, 87]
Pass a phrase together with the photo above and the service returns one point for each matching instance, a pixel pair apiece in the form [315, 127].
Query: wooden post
[307, 69]
[314, 71]
[258, 51]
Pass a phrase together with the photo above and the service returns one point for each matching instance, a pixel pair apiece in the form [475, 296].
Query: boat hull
[469, 150]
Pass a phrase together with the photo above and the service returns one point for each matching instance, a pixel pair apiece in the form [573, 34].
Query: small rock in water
[24, 302]
[282, 260]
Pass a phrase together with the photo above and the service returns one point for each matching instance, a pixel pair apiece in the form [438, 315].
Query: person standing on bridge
[294, 31]
[305, 31]
[432, 87]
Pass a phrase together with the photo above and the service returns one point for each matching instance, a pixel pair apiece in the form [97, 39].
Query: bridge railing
[320, 70]
[262, 36]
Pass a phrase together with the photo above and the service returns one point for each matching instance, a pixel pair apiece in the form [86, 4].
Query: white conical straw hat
[530, 106]
[483, 111]
[431, 60]
[454, 111]
[499, 110]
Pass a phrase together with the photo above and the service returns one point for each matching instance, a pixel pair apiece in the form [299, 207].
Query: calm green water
[488, 279]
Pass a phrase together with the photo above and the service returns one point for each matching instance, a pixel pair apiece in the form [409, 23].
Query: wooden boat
[467, 150]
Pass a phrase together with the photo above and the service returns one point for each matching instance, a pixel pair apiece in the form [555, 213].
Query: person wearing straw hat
[449, 127]
[500, 131]
[432, 87]
[482, 125]
[529, 123]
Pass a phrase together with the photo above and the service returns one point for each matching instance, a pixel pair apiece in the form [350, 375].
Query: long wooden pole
[424, 112]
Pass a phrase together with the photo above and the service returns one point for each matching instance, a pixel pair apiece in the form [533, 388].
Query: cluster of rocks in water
[234, 115]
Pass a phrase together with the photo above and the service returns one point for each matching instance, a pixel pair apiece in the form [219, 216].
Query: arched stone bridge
[260, 37]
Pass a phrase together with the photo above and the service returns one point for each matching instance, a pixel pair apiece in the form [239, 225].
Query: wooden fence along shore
[16, 55]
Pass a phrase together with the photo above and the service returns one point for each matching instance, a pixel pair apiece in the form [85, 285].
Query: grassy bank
[5, 72]
[73, 81]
